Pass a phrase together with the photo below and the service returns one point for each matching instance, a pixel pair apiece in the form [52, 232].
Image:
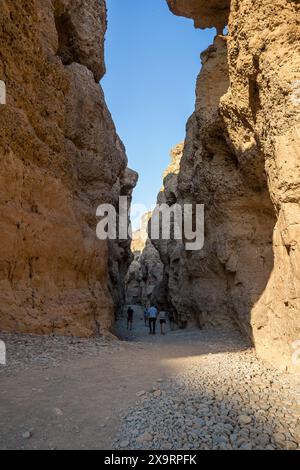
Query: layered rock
[241, 159]
[146, 271]
[60, 158]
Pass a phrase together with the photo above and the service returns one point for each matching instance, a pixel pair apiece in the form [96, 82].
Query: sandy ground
[70, 394]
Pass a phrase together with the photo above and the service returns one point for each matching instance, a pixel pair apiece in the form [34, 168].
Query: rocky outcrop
[146, 271]
[60, 159]
[241, 159]
[205, 13]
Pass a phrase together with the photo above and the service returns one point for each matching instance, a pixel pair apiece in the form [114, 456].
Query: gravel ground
[24, 352]
[188, 390]
[221, 401]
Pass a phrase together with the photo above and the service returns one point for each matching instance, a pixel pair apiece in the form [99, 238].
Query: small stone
[246, 446]
[27, 435]
[144, 438]
[203, 411]
[279, 437]
[157, 393]
[141, 393]
[124, 444]
[290, 445]
[188, 422]
[240, 442]
[58, 412]
[244, 419]
[263, 440]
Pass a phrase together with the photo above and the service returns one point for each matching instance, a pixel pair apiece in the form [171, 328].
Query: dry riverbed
[187, 390]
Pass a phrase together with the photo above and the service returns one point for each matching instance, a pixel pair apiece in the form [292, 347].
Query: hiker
[146, 316]
[163, 321]
[152, 319]
[129, 318]
[171, 320]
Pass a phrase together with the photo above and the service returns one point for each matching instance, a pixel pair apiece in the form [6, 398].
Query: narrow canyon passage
[226, 375]
[189, 389]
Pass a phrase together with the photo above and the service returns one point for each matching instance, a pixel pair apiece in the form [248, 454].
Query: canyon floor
[190, 389]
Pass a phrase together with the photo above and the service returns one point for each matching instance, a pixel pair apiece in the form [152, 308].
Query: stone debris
[27, 351]
[212, 405]
[58, 412]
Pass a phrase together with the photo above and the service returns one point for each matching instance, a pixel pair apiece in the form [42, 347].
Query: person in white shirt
[152, 312]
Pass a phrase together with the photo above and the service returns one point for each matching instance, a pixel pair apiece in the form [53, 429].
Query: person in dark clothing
[171, 320]
[146, 317]
[129, 318]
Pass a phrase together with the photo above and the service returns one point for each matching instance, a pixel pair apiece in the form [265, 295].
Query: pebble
[279, 437]
[124, 444]
[244, 419]
[27, 435]
[145, 438]
[291, 445]
[210, 406]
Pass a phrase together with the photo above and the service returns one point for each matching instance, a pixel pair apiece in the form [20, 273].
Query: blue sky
[152, 61]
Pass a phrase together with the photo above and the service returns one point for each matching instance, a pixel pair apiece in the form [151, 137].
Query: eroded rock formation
[60, 159]
[146, 271]
[241, 159]
[205, 13]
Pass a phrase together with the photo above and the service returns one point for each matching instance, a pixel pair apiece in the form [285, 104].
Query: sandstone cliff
[146, 271]
[241, 159]
[60, 158]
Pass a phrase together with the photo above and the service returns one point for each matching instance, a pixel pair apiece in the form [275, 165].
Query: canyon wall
[60, 158]
[241, 159]
[145, 274]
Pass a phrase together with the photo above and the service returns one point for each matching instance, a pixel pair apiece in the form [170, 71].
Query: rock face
[205, 13]
[60, 159]
[168, 291]
[241, 159]
[146, 271]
